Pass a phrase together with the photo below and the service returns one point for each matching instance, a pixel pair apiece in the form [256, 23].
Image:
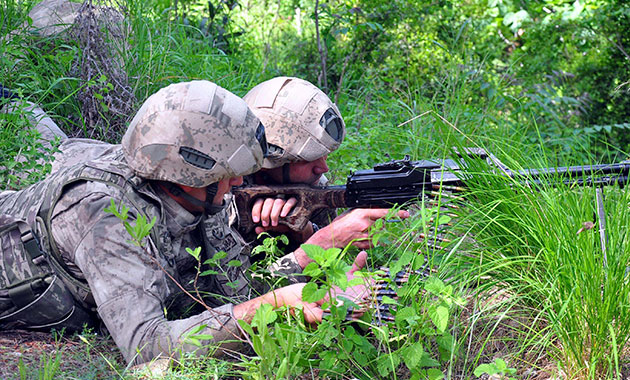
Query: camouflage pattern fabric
[129, 288]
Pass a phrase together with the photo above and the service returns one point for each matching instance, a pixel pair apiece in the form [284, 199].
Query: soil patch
[25, 354]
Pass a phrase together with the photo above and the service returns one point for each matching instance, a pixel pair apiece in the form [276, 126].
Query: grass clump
[541, 246]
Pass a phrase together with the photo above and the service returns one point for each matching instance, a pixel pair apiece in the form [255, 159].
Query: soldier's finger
[374, 213]
[276, 209]
[359, 261]
[266, 211]
[288, 207]
[256, 209]
[378, 213]
[403, 214]
[313, 314]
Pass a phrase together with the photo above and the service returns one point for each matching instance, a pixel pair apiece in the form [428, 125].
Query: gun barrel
[588, 175]
[578, 171]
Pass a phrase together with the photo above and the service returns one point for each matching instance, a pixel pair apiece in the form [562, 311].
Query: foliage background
[539, 83]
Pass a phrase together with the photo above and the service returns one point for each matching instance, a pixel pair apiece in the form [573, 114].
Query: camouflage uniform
[131, 290]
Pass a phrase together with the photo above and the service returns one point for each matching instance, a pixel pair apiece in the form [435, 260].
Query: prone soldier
[66, 263]
[303, 126]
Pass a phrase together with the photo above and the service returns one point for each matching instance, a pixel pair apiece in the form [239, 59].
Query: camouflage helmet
[194, 134]
[301, 122]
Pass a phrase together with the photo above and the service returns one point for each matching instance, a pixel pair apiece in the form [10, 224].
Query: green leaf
[194, 253]
[413, 355]
[405, 315]
[282, 368]
[358, 279]
[209, 272]
[428, 361]
[246, 326]
[203, 336]
[193, 341]
[315, 252]
[403, 261]
[191, 336]
[331, 255]
[311, 293]
[388, 301]
[434, 374]
[444, 219]
[338, 276]
[312, 270]
[446, 345]
[264, 316]
[434, 285]
[439, 316]
[234, 263]
[219, 256]
[327, 333]
[386, 364]
[500, 363]
[488, 369]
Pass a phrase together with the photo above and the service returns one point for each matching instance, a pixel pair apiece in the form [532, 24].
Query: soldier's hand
[290, 296]
[268, 211]
[356, 293]
[351, 227]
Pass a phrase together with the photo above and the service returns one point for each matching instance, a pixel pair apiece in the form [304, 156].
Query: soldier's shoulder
[78, 151]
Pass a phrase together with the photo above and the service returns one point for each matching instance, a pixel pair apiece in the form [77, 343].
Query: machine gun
[400, 181]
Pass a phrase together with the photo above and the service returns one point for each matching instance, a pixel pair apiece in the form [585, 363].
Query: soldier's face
[224, 187]
[308, 172]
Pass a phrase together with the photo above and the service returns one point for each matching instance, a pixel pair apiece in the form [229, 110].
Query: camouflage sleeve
[129, 289]
[287, 266]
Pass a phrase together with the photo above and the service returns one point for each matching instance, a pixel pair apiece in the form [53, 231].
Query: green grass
[529, 247]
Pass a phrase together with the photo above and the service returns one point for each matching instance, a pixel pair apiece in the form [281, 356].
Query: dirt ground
[25, 355]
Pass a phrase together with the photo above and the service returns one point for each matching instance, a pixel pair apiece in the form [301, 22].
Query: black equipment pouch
[32, 296]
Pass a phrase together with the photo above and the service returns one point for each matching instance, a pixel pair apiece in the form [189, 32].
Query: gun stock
[309, 200]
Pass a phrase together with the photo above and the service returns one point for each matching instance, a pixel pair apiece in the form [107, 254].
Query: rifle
[399, 181]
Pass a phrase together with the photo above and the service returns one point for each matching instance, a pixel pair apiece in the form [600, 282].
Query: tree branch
[322, 52]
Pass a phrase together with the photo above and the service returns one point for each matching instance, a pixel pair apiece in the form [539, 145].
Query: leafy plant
[498, 367]
[24, 159]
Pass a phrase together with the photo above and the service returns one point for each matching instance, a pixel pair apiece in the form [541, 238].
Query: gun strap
[211, 191]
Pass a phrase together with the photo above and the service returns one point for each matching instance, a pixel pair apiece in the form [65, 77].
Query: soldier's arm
[130, 290]
[351, 227]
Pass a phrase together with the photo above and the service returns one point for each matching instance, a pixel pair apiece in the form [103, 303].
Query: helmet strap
[208, 207]
[286, 176]
[211, 192]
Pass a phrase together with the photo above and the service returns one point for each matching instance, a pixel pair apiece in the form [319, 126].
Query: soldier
[65, 263]
[302, 126]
